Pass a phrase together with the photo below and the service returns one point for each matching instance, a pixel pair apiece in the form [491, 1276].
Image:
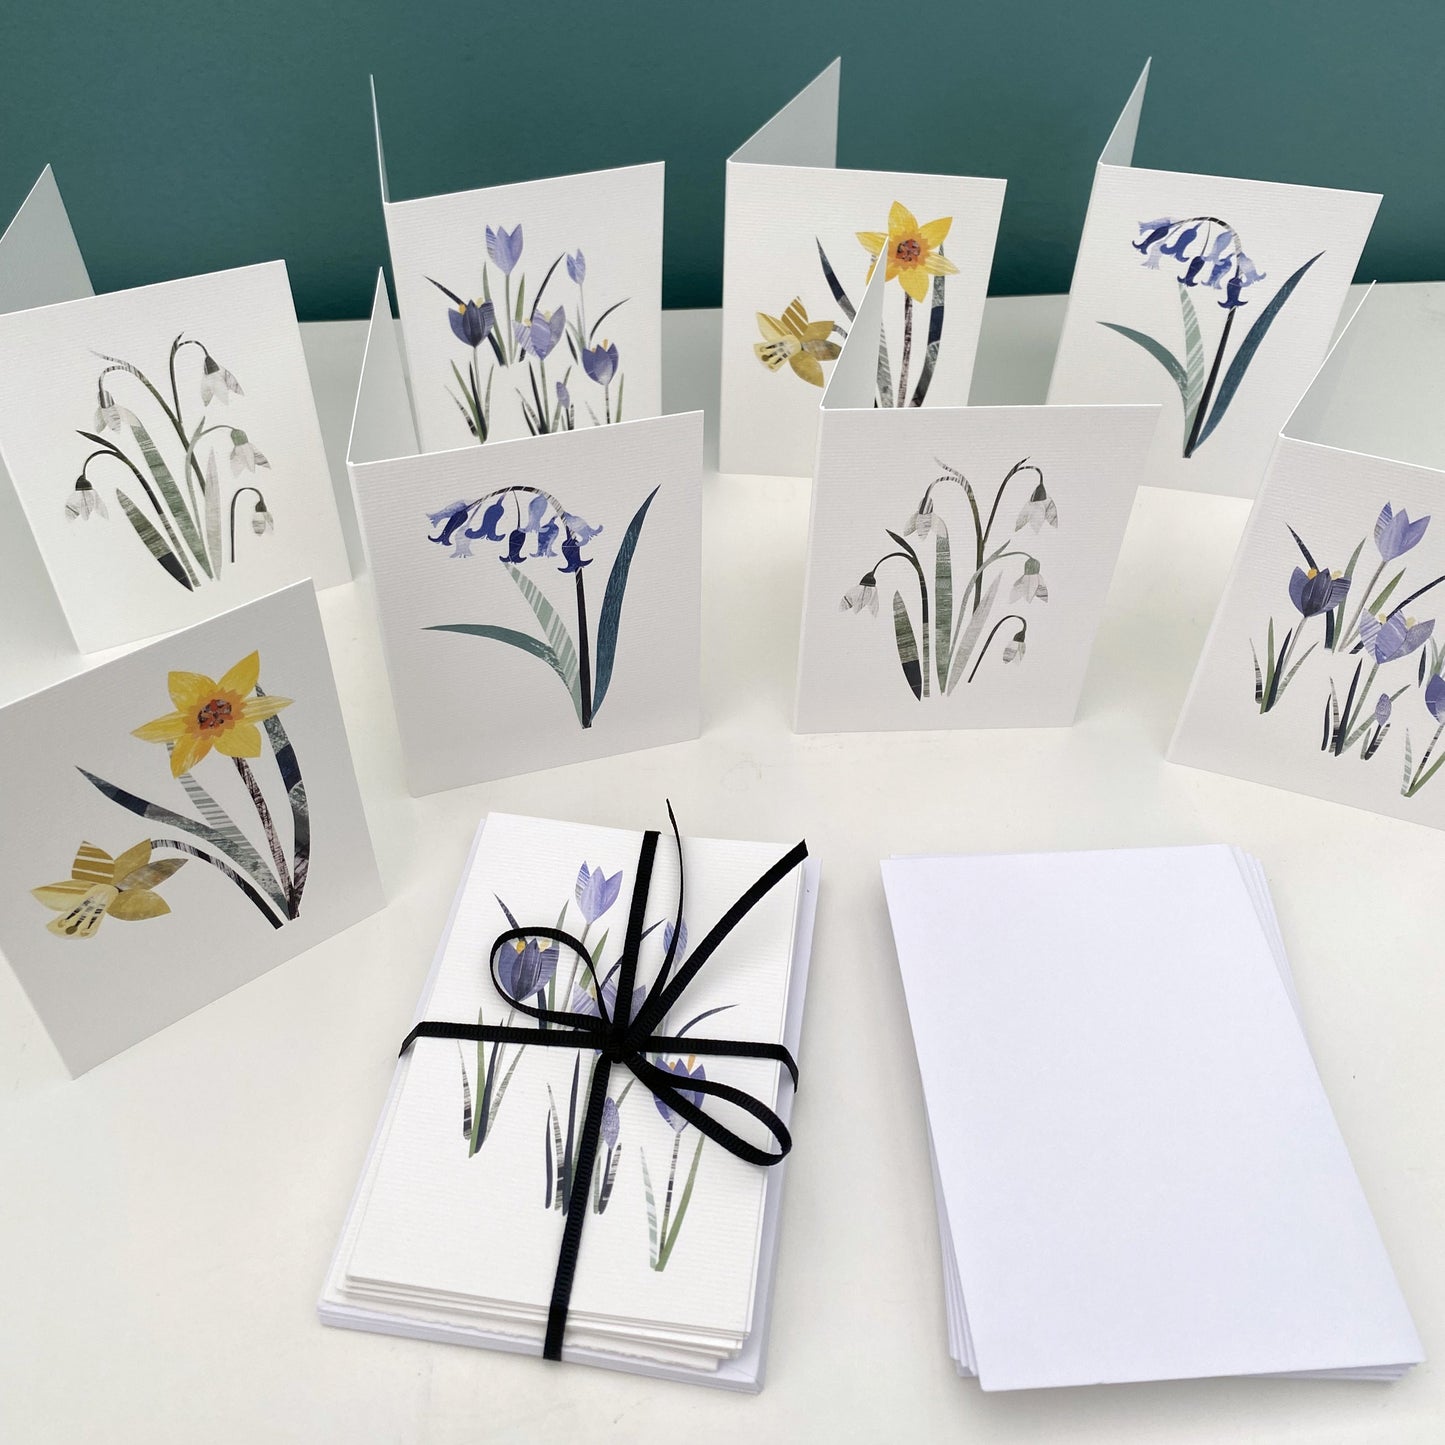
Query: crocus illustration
[596, 892]
[1418, 774]
[663, 1235]
[583, 667]
[935, 654]
[577, 267]
[526, 967]
[101, 887]
[174, 505]
[222, 716]
[1206, 256]
[472, 322]
[505, 248]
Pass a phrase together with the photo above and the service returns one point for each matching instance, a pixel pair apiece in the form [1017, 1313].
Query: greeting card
[163, 441]
[178, 821]
[532, 308]
[958, 557]
[801, 240]
[631, 1205]
[1324, 672]
[539, 598]
[1214, 296]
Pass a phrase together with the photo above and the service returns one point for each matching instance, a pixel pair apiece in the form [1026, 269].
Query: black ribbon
[628, 1041]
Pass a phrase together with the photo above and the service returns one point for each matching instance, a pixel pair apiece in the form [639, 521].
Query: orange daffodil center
[213, 714]
[911, 250]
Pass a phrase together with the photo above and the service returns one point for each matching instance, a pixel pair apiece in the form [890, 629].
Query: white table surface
[165, 1221]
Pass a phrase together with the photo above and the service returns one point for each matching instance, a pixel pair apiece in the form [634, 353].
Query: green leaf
[1383, 595]
[935, 340]
[834, 285]
[942, 602]
[1161, 354]
[213, 512]
[968, 638]
[155, 544]
[512, 638]
[609, 619]
[166, 485]
[555, 631]
[907, 644]
[617, 410]
[1247, 348]
[681, 1206]
[1193, 357]
[651, 1208]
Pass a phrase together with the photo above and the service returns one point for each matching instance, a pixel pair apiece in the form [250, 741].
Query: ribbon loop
[632, 1043]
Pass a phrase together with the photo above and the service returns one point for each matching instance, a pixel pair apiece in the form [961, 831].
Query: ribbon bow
[628, 1042]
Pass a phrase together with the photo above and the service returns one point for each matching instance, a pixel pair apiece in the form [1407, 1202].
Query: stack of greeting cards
[1138, 1175]
[599, 1078]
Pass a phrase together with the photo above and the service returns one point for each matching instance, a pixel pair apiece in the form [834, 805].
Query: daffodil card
[1213, 296]
[958, 557]
[1324, 671]
[163, 441]
[801, 240]
[532, 308]
[178, 821]
[539, 598]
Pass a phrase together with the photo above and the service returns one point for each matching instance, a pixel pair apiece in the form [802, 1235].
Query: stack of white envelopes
[1137, 1171]
[476, 1171]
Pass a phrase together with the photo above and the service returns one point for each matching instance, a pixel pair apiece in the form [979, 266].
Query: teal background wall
[188, 137]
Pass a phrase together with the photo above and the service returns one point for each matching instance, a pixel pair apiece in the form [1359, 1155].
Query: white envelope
[1215, 296]
[799, 240]
[162, 441]
[1324, 669]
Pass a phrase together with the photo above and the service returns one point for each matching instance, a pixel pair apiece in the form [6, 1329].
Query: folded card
[958, 557]
[163, 441]
[1214, 296]
[801, 239]
[1138, 1173]
[530, 308]
[540, 599]
[1324, 670]
[673, 1231]
[178, 821]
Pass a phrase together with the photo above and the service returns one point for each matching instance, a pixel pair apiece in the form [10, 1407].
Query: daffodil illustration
[221, 715]
[803, 344]
[100, 886]
[913, 252]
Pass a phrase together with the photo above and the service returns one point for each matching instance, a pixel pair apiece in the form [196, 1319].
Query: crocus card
[801, 239]
[1324, 670]
[540, 598]
[532, 308]
[163, 441]
[1214, 296]
[958, 557]
[178, 821]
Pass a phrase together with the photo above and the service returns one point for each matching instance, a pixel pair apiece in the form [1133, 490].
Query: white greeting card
[801, 239]
[675, 1267]
[1324, 670]
[540, 599]
[958, 557]
[1139, 1174]
[163, 441]
[531, 308]
[1215, 296]
[178, 821]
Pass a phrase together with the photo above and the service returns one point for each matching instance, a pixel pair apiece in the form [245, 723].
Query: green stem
[584, 654]
[242, 492]
[1204, 400]
[983, 651]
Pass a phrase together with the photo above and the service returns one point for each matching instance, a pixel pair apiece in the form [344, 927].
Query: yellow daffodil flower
[100, 885]
[803, 344]
[912, 250]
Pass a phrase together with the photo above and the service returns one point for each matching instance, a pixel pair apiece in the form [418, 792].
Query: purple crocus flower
[472, 322]
[543, 332]
[489, 527]
[1383, 707]
[572, 555]
[1314, 592]
[681, 940]
[584, 1003]
[1435, 698]
[516, 540]
[611, 1123]
[680, 1071]
[1393, 637]
[596, 892]
[527, 968]
[564, 397]
[577, 267]
[1395, 533]
[504, 247]
[600, 363]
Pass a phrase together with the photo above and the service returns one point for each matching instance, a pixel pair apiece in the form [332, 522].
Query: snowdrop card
[533, 308]
[1324, 671]
[958, 557]
[801, 239]
[539, 598]
[163, 441]
[1213, 296]
[178, 821]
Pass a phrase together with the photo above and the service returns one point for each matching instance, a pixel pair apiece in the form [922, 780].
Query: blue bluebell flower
[489, 527]
[448, 519]
[572, 554]
[516, 540]
[504, 247]
[1183, 240]
[583, 532]
[547, 538]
